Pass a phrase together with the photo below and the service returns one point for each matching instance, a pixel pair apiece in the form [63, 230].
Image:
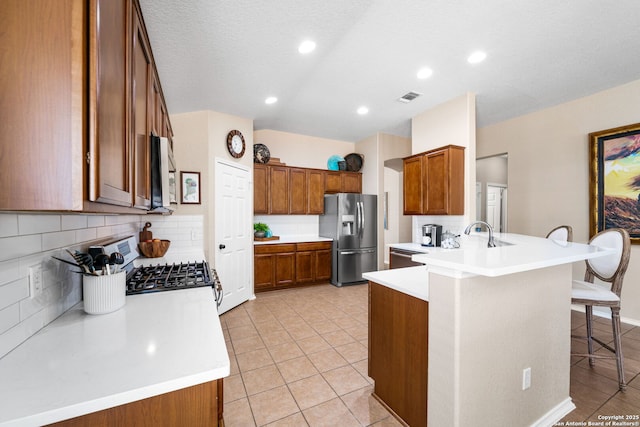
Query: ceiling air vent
[408, 97]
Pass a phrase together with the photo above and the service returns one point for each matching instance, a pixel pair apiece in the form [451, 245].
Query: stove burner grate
[157, 278]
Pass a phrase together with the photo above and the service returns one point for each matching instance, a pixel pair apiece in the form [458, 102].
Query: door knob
[221, 246]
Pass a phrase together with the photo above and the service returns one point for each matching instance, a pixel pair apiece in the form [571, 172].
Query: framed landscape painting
[615, 180]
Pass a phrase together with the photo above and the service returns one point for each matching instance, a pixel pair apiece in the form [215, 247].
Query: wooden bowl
[154, 249]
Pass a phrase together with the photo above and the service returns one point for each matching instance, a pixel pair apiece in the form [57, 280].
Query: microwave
[162, 163]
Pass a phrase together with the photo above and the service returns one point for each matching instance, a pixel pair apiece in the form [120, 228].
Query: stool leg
[589, 315]
[615, 321]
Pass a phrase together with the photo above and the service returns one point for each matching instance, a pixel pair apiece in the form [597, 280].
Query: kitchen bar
[489, 310]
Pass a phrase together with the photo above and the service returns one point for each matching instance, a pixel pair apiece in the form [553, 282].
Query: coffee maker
[431, 235]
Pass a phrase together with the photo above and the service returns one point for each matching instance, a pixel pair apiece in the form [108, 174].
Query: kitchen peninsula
[159, 360]
[497, 326]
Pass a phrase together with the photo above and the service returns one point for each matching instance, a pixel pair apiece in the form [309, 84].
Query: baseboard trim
[555, 414]
[606, 314]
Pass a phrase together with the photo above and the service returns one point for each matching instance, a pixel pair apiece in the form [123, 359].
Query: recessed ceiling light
[424, 73]
[306, 46]
[271, 100]
[476, 57]
[363, 110]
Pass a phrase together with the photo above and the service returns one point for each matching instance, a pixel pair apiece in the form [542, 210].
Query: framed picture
[614, 156]
[190, 184]
[172, 188]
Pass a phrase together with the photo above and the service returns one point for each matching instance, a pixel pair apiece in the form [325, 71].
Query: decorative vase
[258, 234]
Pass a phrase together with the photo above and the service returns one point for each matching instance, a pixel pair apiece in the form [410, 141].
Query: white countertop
[412, 281]
[415, 247]
[80, 363]
[526, 253]
[294, 239]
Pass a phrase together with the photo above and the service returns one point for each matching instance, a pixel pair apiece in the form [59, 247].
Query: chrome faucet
[491, 243]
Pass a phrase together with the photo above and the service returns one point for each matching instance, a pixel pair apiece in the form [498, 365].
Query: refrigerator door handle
[348, 253]
[362, 223]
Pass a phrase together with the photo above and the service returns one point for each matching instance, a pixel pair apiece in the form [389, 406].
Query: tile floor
[299, 358]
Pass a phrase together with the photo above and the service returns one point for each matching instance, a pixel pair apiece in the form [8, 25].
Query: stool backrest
[563, 233]
[610, 268]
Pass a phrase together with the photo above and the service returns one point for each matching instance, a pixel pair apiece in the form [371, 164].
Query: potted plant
[260, 229]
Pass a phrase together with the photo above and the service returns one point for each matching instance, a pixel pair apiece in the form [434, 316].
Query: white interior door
[496, 207]
[234, 233]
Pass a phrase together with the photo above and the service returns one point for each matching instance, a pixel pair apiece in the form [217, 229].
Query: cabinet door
[443, 173]
[315, 189]
[297, 191]
[42, 109]
[260, 189]
[109, 105]
[278, 190]
[143, 116]
[323, 265]
[305, 267]
[333, 182]
[351, 182]
[264, 271]
[285, 268]
[412, 185]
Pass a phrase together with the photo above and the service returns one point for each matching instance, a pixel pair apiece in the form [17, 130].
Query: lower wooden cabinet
[279, 266]
[199, 405]
[398, 352]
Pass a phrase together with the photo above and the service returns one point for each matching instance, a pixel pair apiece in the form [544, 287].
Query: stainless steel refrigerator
[351, 221]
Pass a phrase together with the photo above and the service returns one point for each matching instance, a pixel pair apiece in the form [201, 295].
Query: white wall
[549, 169]
[451, 123]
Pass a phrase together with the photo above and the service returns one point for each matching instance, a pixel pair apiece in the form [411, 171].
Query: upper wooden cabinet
[434, 182]
[82, 116]
[298, 191]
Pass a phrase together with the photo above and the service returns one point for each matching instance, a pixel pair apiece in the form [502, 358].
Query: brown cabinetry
[199, 405]
[298, 191]
[434, 182]
[77, 115]
[398, 351]
[283, 265]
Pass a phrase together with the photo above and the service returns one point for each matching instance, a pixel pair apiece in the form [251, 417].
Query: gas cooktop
[168, 277]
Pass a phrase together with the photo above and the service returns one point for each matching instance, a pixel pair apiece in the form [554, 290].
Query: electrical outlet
[35, 280]
[526, 378]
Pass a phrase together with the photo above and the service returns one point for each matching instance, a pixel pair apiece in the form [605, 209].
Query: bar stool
[609, 269]
[563, 233]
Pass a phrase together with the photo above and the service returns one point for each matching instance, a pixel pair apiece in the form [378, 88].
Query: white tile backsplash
[290, 225]
[453, 223]
[31, 239]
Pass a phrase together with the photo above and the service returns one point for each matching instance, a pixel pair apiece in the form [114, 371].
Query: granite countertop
[78, 364]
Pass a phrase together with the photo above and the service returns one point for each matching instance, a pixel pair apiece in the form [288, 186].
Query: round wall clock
[235, 144]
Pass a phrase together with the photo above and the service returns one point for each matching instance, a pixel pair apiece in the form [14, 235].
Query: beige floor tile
[327, 360]
[353, 352]
[286, 351]
[295, 420]
[296, 369]
[233, 388]
[339, 337]
[345, 379]
[238, 414]
[242, 332]
[313, 344]
[247, 344]
[330, 414]
[358, 332]
[272, 405]
[233, 365]
[254, 359]
[262, 379]
[362, 367]
[276, 338]
[311, 391]
[390, 421]
[265, 328]
[364, 406]
[324, 326]
[301, 331]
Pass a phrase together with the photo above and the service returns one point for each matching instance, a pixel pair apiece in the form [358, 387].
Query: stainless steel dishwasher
[400, 258]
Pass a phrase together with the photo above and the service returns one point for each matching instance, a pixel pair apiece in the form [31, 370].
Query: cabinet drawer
[274, 248]
[313, 246]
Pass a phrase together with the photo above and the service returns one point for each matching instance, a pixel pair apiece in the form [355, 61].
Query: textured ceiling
[229, 55]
